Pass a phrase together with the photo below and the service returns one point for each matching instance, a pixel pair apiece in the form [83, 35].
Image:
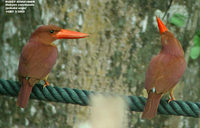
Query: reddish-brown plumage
[38, 57]
[164, 71]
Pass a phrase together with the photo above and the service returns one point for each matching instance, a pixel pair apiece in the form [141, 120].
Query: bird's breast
[37, 60]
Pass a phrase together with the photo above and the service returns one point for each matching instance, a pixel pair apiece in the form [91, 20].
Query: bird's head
[167, 38]
[49, 33]
[169, 42]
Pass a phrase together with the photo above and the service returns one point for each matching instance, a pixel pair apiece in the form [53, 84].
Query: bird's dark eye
[51, 31]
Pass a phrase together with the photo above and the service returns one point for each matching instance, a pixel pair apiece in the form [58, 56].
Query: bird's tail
[151, 106]
[24, 93]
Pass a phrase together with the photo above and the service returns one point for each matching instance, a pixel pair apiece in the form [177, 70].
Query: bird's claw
[171, 94]
[171, 99]
[46, 83]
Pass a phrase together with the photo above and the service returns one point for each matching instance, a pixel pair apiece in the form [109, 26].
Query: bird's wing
[37, 60]
[164, 72]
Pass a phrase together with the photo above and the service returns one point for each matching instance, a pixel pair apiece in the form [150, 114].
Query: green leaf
[196, 40]
[198, 33]
[195, 52]
[177, 19]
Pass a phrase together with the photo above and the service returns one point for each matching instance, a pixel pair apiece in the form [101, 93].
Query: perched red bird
[164, 71]
[38, 57]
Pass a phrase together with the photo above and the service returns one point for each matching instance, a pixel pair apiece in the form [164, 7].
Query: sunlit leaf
[196, 40]
[177, 19]
[195, 52]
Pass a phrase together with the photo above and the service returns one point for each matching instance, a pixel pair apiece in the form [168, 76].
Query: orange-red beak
[161, 26]
[67, 34]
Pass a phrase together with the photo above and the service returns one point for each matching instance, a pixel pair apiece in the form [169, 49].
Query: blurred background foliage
[123, 39]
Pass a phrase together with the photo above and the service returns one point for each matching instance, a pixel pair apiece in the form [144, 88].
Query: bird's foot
[46, 83]
[171, 97]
